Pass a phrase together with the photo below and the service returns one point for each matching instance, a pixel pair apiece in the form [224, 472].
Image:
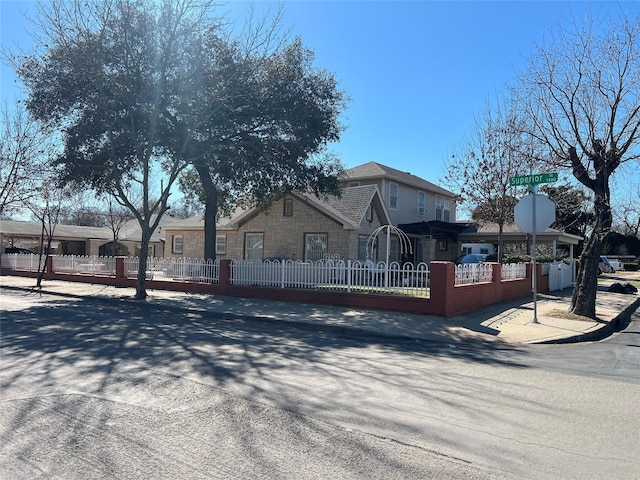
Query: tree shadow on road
[143, 355]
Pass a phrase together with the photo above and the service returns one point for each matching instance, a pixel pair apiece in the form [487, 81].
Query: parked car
[472, 258]
[17, 250]
[616, 264]
[604, 266]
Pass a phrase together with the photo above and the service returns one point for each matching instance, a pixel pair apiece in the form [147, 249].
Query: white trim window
[315, 246]
[443, 209]
[422, 202]
[177, 244]
[221, 244]
[253, 246]
[393, 196]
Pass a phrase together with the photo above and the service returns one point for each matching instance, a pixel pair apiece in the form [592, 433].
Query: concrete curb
[618, 323]
[307, 326]
[297, 320]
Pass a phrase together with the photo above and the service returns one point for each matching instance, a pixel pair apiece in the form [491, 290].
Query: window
[221, 244]
[315, 246]
[177, 242]
[443, 209]
[369, 215]
[353, 184]
[393, 196]
[287, 209]
[394, 249]
[254, 246]
[421, 204]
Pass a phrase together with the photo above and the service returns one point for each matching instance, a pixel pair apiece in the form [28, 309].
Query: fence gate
[560, 276]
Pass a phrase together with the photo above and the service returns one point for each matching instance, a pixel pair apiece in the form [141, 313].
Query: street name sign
[533, 179]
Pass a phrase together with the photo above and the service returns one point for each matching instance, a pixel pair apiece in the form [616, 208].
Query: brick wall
[446, 299]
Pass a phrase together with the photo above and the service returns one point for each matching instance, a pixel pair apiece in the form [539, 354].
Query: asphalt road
[97, 390]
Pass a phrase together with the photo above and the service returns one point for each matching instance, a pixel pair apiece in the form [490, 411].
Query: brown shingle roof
[373, 170]
[354, 202]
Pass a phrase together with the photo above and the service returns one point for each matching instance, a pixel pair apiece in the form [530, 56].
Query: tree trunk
[500, 241]
[210, 211]
[41, 265]
[141, 287]
[583, 300]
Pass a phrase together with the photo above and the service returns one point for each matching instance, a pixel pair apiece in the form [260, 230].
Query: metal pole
[534, 273]
[386, 273]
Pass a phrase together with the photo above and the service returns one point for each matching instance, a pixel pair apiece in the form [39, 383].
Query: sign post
[534, 213]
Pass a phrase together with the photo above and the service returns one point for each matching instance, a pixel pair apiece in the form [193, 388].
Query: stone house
[297, 226]
[303, 227]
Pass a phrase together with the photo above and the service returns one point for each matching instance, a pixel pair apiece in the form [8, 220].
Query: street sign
[534, 213]
[534, 179]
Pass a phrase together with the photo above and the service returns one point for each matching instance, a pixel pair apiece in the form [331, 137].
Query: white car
[616, 264]
[604, 266]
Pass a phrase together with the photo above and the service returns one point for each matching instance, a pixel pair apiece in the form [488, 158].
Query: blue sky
[417, 71]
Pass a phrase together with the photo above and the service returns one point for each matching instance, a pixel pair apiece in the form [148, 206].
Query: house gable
[407, 197]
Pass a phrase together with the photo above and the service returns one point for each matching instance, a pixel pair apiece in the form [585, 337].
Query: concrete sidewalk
[510, 322]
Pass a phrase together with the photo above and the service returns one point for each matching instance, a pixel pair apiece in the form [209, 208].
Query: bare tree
[117, 217]
[46, 208]
[580, 90]
[626, 215]
[22, 149]
[480, 173]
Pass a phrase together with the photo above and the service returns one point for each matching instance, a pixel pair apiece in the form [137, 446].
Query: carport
[513, 234]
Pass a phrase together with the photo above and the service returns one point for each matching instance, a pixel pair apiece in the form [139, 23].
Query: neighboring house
[297, 226]
[66, 240]
[79, 240]
[487, 233]
[479, 248]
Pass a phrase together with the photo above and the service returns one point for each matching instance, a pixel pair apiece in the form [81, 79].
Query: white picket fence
[22, 262]
[336, 275]
[468, 273]
[514, 271]
[84, 265]
[326, 274]
[196, 270]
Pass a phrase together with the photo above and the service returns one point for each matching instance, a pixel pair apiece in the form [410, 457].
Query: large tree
[480, 173]
[581, 91]
[265, 117]
[110, 75]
